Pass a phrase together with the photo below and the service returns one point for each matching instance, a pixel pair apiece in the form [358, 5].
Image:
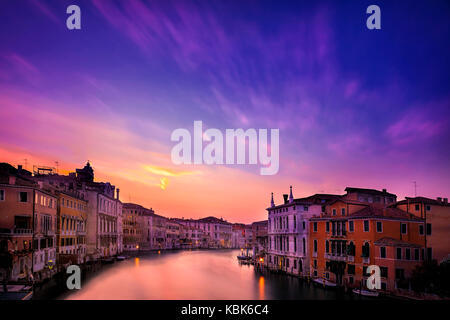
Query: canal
[196, 275]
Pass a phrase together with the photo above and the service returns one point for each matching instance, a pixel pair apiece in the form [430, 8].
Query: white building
[288, 231]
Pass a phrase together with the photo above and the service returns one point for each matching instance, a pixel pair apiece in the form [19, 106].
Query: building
[349, 235]
[71, 228]
[259, 239]
[104, 209]
[288, 232]
[219, 232]
[28, 220]
[158, 232]
[436, 214]
[174, 234]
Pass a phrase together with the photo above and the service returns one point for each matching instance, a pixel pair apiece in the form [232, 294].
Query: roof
[391, 242]
[369, 191]
[383, 213]
[213, 220]
[310, 200]
[421, 200]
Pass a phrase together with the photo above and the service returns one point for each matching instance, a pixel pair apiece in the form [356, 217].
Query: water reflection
[261, 288]
[193, 275]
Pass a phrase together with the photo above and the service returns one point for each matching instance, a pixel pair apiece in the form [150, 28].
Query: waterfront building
[71, 228]
[130, 222]
[259, 239]
[288, 232]
[174, 233]
[436, 213]
[219, 231]
[158, 232]
[241, 236]
[349, 235]
[104, 208]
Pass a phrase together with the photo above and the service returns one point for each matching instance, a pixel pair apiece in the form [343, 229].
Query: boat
[324, 282]
[108, 260]
[244, 257]
[121, 258]
[366, 293]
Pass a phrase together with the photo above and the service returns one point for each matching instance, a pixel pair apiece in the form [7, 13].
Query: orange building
[71, 230]
[345, 238]
[436, 214]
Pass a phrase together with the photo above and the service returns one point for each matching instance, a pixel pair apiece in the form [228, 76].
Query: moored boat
[324, 282]
[366, 293]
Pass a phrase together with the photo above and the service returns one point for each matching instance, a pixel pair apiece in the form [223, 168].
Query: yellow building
[436, 214]
[71, 233]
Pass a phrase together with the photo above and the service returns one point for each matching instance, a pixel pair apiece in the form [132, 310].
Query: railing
[365, 259]
[23, 231]
[350, 258]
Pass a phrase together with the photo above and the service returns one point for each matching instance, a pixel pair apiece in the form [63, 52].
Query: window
[343, 211]
[399, 253]
[327, 246]
[304, 246]
[428, 229]
[416, 254]
[334, 212]
[421, 229]
[404, 228]
[408, 254]
[379, 226]
[399, 274]
[315, 264]
[384, 272]
[315, 226]
[328, 226]
[428, 208]
[315, 246]
[23, 196]
[351, 269]
[305, 208]
[304, 225]
[417, 207]
[366, 225]
[366, 250]
[351, 226]
[2, 195]
[383, 252]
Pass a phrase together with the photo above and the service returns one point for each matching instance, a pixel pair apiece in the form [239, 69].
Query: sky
[354, 107]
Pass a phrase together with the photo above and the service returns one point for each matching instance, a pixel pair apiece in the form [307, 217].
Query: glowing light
[137, 262]
[261, 260]
[159, 252]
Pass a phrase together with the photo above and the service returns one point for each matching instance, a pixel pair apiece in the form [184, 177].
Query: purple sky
[355, 107]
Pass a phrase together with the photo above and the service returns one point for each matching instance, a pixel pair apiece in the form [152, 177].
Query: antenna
[57, 166]
[415, 189]
[26, 163]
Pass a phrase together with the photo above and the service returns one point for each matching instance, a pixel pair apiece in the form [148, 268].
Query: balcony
[336, 257]
[23, 231]
[366, 260]
[350, 258]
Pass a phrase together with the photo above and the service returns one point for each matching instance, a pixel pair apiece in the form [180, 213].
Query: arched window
[366, 250]
[351, 249]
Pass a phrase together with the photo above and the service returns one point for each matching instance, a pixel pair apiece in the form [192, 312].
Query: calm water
[192, 275]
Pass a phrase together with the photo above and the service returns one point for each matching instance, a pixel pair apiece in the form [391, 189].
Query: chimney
[19, 167]
[446, 200]
[439, 199]
[117, 193]
[285, 196]
[384, 191]
[272, 203]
